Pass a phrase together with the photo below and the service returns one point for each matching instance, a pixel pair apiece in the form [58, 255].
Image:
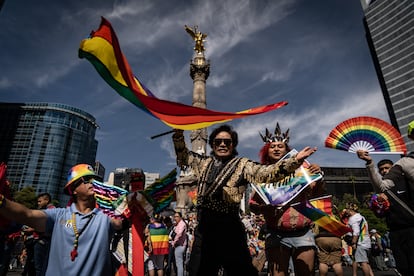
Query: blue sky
[312, 54]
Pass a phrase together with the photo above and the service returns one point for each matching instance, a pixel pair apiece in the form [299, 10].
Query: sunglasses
[81, 181]
[87, 181]
[217, 142]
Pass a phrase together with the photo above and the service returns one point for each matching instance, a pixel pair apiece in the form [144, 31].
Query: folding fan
[366, 133]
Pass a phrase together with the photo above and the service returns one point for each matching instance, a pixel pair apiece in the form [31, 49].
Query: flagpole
[162, 134]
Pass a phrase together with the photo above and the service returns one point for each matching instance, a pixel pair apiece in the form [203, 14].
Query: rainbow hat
[78, 171]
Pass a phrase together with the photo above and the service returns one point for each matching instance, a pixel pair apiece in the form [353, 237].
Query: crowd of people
[217, 239]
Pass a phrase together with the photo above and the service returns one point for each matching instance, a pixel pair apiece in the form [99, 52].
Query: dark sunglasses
[87, 181]
[81, 181]
[217, 142]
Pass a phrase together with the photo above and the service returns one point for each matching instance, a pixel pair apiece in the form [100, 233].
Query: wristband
[2, 201]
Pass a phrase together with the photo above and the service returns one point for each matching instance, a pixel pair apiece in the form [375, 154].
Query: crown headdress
[277, 136]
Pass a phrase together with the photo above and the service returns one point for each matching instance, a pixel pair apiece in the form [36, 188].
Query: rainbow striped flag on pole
[103, 50]
[322, 218]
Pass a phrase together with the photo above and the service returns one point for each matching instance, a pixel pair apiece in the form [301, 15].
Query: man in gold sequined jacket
[222, 177]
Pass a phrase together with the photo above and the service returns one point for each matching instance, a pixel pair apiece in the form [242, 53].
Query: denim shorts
[290, 239]
[155, 262]
[361, 254]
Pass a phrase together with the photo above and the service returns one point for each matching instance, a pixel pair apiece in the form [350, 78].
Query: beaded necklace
[74, 252]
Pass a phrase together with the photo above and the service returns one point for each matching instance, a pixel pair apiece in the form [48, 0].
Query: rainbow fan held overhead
[366, 133]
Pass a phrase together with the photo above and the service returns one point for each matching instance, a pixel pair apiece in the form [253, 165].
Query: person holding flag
[361, 242]
[288, 232]
[222, 178]
[81, 233]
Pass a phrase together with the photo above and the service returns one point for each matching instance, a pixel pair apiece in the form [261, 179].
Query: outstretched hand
[305, 153]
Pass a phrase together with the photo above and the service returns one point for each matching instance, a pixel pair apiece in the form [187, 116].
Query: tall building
[389, 26]
[99, 169]
[124, 177]
[40, 142]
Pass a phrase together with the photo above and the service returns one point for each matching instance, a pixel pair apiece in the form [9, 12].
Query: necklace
[74, 252]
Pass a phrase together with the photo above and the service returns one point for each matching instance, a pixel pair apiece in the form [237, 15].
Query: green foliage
[27, 197]
[55, 202]
[373, 222]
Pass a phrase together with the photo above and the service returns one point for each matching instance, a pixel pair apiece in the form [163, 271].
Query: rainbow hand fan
[366, 133]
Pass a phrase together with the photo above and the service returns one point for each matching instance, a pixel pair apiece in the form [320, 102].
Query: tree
[27, 197]
[373, 221]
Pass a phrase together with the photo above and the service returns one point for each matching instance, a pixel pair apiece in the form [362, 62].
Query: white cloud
[219, 80]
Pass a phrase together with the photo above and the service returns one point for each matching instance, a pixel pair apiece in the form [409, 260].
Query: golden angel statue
[198, 37]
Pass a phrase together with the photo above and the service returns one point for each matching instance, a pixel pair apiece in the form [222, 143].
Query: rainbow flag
[159, 239]
[322, 219]
[112, 200]
[102, 49]
[323, 203]
[161, 192]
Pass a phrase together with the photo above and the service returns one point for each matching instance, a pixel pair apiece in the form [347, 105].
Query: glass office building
[40, 142]
[389, 26]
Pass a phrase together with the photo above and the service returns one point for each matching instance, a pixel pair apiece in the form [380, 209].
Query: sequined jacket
[222, 189]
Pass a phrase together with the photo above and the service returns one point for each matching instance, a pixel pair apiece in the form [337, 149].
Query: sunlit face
[384, 169]
[42, 202]
[177, 218]
[276, 151]
[85, 188]
[223, 144]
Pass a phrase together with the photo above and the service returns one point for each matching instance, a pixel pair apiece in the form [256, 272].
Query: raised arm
[257, 173]
[378, 184]
[180, 148]
[21, 214]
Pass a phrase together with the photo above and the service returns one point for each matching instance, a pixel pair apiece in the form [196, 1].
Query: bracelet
[2, 201]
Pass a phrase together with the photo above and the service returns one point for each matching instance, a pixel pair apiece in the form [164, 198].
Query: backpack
[398, 216]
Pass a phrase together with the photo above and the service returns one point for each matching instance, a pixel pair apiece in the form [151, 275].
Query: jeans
[179, 259]
[41, 255]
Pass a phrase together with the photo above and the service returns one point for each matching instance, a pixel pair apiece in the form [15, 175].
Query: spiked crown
[277, 136]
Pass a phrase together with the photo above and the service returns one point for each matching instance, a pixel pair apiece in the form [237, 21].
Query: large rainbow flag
[102, 49]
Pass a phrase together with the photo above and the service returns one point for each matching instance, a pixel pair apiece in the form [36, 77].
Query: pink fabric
[180, 238]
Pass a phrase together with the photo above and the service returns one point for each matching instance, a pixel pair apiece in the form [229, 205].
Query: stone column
[199, 72]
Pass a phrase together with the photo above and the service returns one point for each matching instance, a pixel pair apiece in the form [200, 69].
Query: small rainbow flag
[102, 49]
[323, 203]
[321, 218]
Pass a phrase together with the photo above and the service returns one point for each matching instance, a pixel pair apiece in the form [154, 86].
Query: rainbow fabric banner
[111, 199]
[322, 219]
[102, 49]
